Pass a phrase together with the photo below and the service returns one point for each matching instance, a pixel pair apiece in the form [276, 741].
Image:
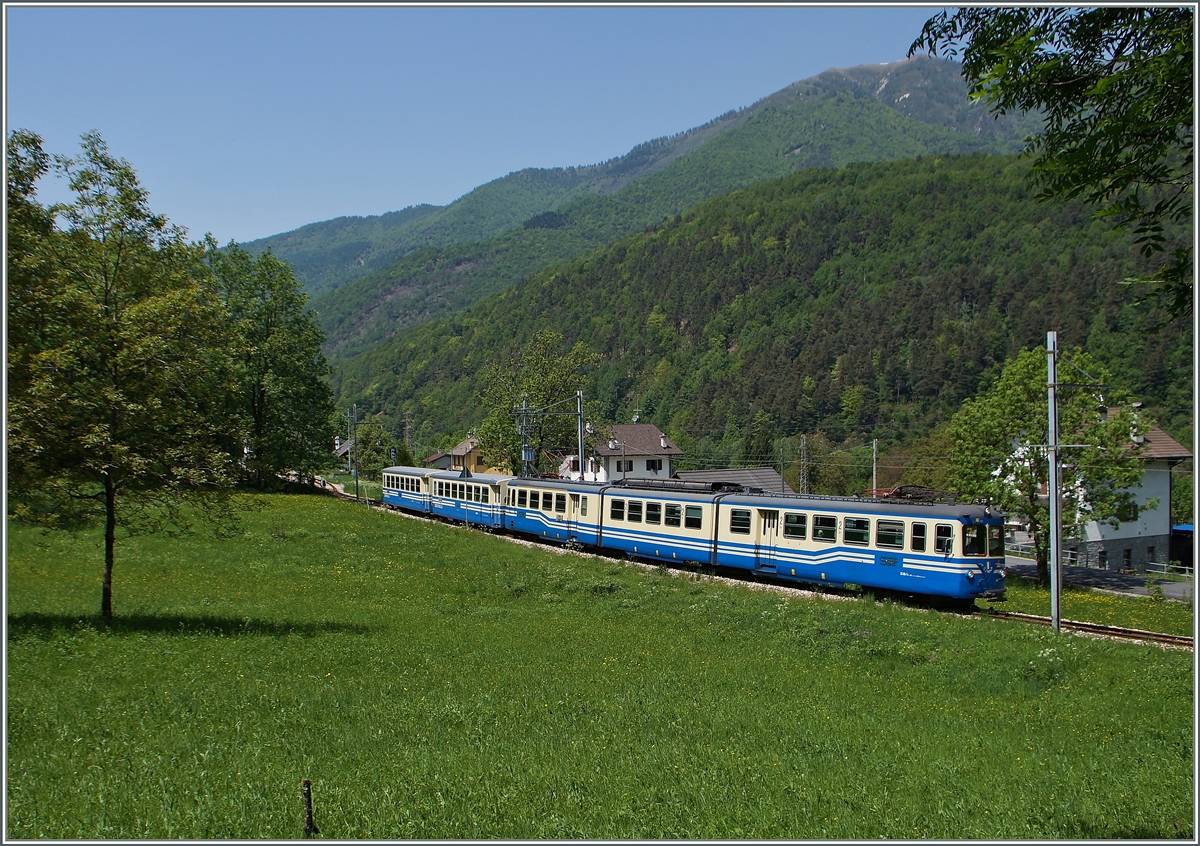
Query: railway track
[1177, 641]
[1096, 629]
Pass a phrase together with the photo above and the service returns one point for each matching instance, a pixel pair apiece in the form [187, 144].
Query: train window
[634, 514]
[918, 537]
[617, 512]
[691, 517]
[583, 505]
[824, 528]
[484, 491]
[943, 539]
[522, 498]
[890, 534]
[996, 543]
[654, 512]
[975, 540]
[795, 526]
[672, 518]
[560, 502]
[857, 531]
[739, 521]
[534, 501]
[547, 501]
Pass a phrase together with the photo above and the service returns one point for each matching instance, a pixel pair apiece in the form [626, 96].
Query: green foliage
[436, 683]
[122, 415]
[543, 376]
[869, 301]
[1000, 451]
[1116, 86]
[375, 445]
[282, 392]
[872, 113]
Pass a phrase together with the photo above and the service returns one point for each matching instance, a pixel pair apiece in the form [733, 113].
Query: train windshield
[975, 540]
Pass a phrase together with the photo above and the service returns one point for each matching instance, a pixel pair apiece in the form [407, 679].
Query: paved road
[1105, 579]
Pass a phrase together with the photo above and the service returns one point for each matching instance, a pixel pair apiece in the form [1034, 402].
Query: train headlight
[970, 575]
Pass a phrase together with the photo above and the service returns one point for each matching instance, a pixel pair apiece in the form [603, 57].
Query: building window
[795, 526]
[824, 528]
[654, 464]
[1150, 554]
[625, 466]
[739, 522]
[1127, 558]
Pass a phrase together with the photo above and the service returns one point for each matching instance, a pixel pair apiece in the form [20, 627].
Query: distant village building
[1144, 534]
[633, 451]
[466, 454]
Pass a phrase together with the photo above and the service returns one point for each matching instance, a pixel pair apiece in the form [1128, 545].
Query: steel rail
[1180, 641]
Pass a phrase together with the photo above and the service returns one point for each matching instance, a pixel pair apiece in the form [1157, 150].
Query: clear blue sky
[248, 121]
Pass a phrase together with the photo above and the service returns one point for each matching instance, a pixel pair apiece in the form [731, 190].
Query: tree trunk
[110, 535]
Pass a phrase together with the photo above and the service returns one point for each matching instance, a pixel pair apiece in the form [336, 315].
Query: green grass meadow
[435, 682]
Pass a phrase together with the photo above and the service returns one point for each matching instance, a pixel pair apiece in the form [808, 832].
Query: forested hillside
[929, 93]
[867, 300]
[829, 121]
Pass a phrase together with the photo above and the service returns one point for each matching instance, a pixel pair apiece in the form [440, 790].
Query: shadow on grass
[42, 626]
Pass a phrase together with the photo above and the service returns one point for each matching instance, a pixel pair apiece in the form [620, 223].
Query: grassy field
[434, 682]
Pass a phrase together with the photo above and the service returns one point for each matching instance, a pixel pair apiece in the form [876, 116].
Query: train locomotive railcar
[476, 500]
[661, 520]
[954, 551]
[407, 488]
[553, 509]
[939, 549]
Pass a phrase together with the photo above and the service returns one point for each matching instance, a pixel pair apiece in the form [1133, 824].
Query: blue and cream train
[938, 549]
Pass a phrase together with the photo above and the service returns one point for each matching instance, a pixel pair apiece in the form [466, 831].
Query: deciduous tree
[283, 395]
[999, 447]
[1116, 87]
[123, 406]
[541, 373]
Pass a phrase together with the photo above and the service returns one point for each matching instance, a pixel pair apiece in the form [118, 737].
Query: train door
[573, 517]
[767, 539]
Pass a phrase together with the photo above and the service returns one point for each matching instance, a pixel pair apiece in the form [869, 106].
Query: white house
[1146, 535]
[633, 451]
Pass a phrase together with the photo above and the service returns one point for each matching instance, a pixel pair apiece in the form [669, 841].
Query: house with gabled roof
[1144, 533]
[466, 454]
[632, 451]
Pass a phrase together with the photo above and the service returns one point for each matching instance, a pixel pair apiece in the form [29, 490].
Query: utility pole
[354, 446]
[579, 411]
[804, 464]
[874, 460]
[1055, 484]
[408, 429]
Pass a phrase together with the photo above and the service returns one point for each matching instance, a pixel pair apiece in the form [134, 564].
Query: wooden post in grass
[310, 828]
